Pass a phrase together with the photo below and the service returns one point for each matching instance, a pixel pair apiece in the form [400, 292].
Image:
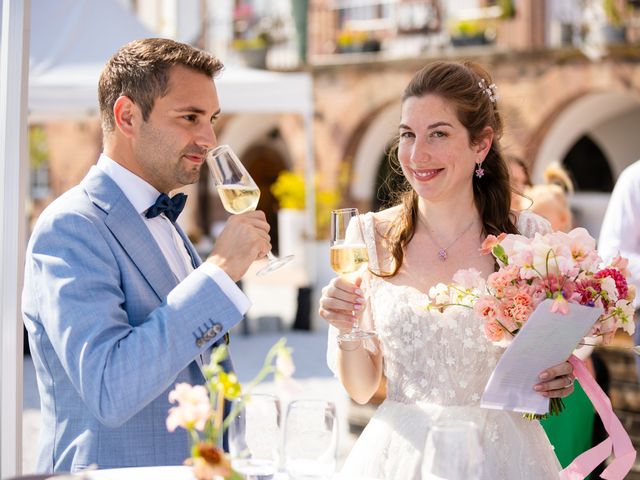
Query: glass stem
[270, 256]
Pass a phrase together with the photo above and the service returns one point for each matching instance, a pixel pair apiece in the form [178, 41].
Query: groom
[117, 304]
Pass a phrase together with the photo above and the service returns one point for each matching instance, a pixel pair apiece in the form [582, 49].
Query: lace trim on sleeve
[530, 223]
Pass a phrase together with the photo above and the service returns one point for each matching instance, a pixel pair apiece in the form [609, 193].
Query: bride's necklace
[442, 251]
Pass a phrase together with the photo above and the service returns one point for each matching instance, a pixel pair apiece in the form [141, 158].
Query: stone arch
[366, 147]
[592, 113]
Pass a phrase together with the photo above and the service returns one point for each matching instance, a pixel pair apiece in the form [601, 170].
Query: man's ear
[483, 146]
[127, 116]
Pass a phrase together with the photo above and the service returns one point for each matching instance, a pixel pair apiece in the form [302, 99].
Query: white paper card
[545, 340]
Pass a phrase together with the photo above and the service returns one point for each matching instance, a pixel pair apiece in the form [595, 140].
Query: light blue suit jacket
[112, 331]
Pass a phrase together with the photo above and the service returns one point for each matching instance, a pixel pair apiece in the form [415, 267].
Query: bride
[436, 363]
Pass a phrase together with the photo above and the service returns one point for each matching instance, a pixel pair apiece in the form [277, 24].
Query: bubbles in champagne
[238, 198]
[348, 258]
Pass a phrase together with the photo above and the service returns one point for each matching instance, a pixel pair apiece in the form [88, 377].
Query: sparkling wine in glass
[348, 255]
[453, 451]
[238, 192]
[254, 437]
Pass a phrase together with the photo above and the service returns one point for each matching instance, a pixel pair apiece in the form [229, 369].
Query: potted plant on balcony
[470, 32]
[254, 34]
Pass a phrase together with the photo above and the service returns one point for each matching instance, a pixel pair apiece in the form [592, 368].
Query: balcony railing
[345, 31]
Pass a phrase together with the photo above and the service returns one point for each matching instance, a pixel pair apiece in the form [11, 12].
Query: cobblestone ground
[313, 377]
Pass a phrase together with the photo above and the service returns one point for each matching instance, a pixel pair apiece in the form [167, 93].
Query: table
[165, 473]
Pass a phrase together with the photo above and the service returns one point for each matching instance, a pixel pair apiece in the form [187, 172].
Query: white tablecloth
[165, 473]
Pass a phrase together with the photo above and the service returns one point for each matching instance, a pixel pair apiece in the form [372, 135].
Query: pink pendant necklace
[442, 251]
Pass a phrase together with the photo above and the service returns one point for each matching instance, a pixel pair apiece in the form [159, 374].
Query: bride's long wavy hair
[459, 84]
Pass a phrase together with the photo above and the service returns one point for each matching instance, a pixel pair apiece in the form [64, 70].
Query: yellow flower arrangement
[289, 191]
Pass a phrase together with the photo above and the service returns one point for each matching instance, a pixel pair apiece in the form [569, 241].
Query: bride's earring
[479, 170]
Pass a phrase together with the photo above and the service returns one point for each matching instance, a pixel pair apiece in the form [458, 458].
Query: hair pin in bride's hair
[490, 91]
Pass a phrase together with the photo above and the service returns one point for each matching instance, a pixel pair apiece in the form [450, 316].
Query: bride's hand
[341, 301]
[557, 381]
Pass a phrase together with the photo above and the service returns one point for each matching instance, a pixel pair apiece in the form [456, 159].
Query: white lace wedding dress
[437, 365]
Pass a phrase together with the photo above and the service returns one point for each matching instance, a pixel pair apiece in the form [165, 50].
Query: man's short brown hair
[140, 70]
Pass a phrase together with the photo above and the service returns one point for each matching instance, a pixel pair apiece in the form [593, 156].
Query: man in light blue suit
[116, 302]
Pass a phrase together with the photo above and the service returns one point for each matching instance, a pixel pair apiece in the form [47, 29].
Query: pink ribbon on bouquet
[618, 439]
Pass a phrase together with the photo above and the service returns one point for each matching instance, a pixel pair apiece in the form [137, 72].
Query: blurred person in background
[520, 181]
[551, 198]
[620, 231]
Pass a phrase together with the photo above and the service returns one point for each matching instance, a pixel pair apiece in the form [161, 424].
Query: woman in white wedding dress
[436, 363]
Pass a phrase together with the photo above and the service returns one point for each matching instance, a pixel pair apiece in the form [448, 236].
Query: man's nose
[207, 137]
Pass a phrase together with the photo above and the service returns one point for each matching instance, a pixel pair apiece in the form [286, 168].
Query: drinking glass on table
[348, 255]
[254, 437]
[453, 451]
[310, 440]
[238, 192]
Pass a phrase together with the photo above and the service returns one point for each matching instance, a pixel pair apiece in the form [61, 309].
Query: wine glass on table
[254, 437]
[453, 451]
[348, 256]
[310, 440]
[238, 192]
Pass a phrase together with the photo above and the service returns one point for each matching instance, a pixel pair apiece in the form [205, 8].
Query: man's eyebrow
[197, 110]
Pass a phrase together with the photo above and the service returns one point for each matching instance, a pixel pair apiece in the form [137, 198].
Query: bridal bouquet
[200, 409]
[564, 267]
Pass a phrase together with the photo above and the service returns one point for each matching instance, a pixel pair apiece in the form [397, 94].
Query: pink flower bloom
[193, 408]
[490, 242]
[494, 331]
[620, 281]
[560, 305]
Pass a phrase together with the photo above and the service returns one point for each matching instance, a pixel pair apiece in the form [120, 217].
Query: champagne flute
[238, 192]
[348, 255]
[453, 451]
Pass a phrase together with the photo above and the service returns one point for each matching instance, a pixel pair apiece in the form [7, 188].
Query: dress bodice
[430, 356]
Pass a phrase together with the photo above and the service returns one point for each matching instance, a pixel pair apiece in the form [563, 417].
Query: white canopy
[72, 39]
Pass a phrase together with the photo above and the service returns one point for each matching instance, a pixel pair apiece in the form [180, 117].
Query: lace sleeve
[368, 228]
[530, 223]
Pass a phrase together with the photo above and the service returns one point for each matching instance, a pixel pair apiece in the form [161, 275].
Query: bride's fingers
[342, 320]
[557, 387]
[344, 290]
[564, 368]
[333, 303]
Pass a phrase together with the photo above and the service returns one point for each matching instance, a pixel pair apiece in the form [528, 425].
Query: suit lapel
[130, 230]
[195, 258]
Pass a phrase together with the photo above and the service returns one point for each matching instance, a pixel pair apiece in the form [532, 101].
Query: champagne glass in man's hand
[238, 192]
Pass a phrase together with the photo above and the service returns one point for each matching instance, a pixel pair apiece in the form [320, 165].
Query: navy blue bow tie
[170, 206]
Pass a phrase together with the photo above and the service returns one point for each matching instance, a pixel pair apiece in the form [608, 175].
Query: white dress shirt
[620, 232]
[142, 196]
